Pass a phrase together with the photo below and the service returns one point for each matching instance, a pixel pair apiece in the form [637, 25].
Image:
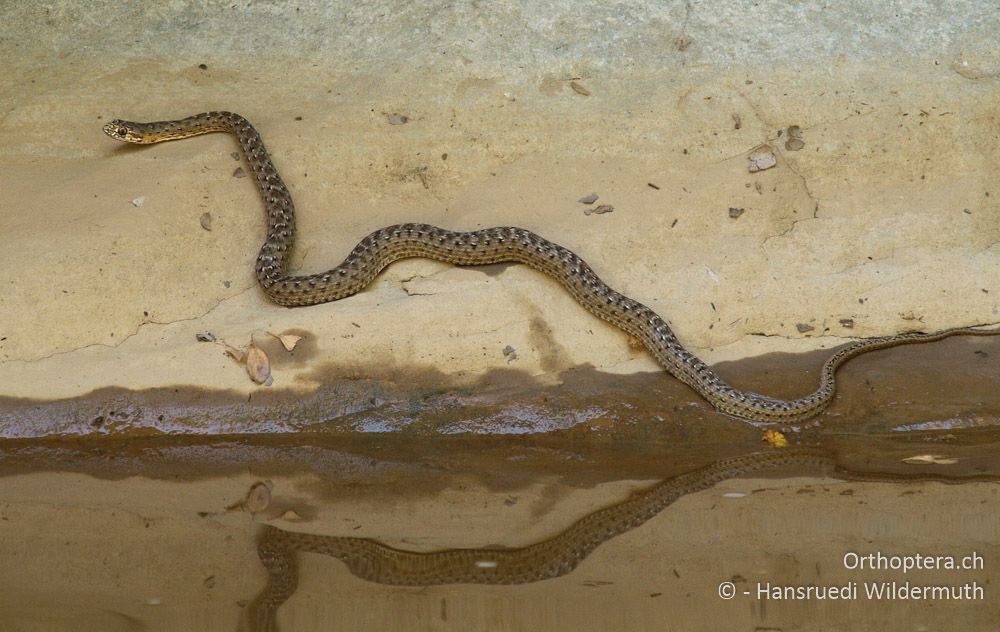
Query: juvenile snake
[487, 246]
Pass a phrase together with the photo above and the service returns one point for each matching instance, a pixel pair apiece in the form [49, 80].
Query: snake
[504, 244]
[375, 561]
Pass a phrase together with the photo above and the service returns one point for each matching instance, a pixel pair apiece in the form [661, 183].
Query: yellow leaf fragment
[775, 439]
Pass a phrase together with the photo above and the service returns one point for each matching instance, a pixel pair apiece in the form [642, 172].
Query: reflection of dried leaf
[291, 516]
[288, 341]
[234, 353]
[259, 497]
[930, 459]
[258, 366]
[635, 344]
[776, 439]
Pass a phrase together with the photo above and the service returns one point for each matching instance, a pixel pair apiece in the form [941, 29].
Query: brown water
[134, 528]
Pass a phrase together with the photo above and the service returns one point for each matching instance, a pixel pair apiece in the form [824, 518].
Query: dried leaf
[234, 353]
[288, 341]
[930, 459]
[258, 366]
[579, 89]
[599, 210]
[776, 439]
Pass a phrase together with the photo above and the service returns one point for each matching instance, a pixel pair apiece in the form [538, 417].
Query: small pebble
[397, 119]
[598, 210]
[154, 601]
[509, 353]
[588, 199]
[239, 173]
[803, 327]
[735, 212]
[847, 323]
[235, 155]
[139, 201]
[205, 336]
[203, 66]
[206, 221]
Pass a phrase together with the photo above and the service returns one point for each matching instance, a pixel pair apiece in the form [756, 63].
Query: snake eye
[122, 131]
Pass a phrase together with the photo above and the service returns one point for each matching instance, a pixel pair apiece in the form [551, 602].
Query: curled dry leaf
[929, 459]
[288, 341]
[579, 88]
[258, 366]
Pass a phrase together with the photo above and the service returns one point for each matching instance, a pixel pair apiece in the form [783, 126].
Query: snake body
[488, 246]
[378, 562]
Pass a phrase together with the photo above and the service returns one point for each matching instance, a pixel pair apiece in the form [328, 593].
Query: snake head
[126, 131]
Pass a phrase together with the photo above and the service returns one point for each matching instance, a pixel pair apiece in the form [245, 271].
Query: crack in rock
[135, 332]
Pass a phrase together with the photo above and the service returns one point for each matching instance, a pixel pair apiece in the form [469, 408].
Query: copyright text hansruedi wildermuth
[881, 590]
